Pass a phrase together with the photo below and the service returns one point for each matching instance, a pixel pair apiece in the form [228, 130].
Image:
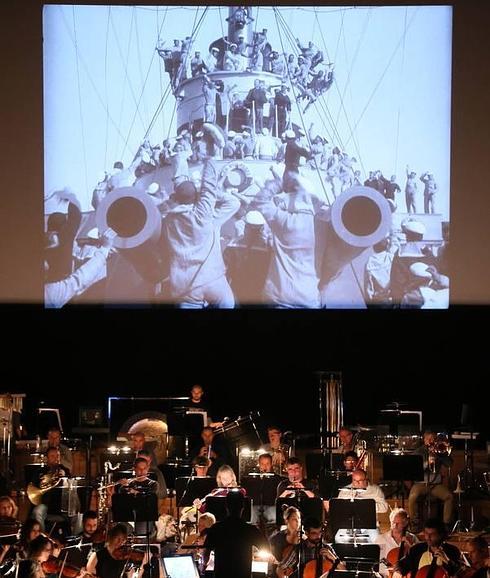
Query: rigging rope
[320, 176]
[378, 84]
[151, 123]
[395, 169]
[140, 67]
[80, 107]
[340, 140]
[105, 86]
[89, 76]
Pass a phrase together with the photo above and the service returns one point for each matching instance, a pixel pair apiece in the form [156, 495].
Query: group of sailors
[302, 71]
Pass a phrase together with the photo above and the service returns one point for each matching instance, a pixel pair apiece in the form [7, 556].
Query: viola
[125, 552]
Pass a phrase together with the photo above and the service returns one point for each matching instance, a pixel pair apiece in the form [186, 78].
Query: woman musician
[38, 552]
[284, 544]
[225, 479]
[396, 542]
[113, 560]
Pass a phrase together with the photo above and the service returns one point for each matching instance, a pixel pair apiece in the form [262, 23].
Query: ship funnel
[138, 224]
[359, 218]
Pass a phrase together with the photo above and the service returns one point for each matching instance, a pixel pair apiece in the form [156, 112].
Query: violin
[125, 552]
[56, 565]
[99, 536]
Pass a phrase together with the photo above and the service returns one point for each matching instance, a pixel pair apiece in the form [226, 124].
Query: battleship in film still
[259, 107]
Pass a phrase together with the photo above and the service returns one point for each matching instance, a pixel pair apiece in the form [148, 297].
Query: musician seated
[477, 551]
[201, 465]
[395, 543]
[347, 440]
[361, 488]
[205, 522]
[295, 482]
[315, 553]
[350, 461]
[284, 541]
[138, 443]
[211, 448]
[434, 555]
[264, 512]
[86, 541]
[141, 484]
[112, 560]
[436, 480]
[48, 478]
[277, 449]
[225, 480]
[54, 441]
[155, 470]
[8, 523]
[30, 530]
[8, 508]
[39, 551]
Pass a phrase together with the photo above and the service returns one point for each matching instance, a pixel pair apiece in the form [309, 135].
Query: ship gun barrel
[137, 222]
[359, 218]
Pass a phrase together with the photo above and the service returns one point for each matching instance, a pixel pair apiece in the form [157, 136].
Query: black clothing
[232, 541]
[410, 563]
[107, 566]
[308, 485]
[292, 155]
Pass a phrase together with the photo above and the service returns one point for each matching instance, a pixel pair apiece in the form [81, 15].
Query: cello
[395, 555]
[433, 570]
[326, 560]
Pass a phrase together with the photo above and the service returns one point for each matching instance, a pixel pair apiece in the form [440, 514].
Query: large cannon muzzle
[359, 218]
[138, 225]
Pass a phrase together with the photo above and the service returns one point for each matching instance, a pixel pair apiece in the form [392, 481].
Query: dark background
[247, 360]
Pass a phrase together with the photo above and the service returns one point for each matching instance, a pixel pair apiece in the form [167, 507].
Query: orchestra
[74, 527]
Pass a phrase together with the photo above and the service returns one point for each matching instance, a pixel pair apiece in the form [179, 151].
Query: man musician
[49, 476]
[434, 553]
[141, 484]
[295, 482]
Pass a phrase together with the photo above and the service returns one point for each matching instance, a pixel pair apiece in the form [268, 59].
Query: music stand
[309, 507]
[217, 505]
[186, 424]
[353, 514]
[401, 467]
[187, 489]
[136, 508]
[261, 488]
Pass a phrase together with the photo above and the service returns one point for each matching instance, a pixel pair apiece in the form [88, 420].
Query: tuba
[48, 481]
